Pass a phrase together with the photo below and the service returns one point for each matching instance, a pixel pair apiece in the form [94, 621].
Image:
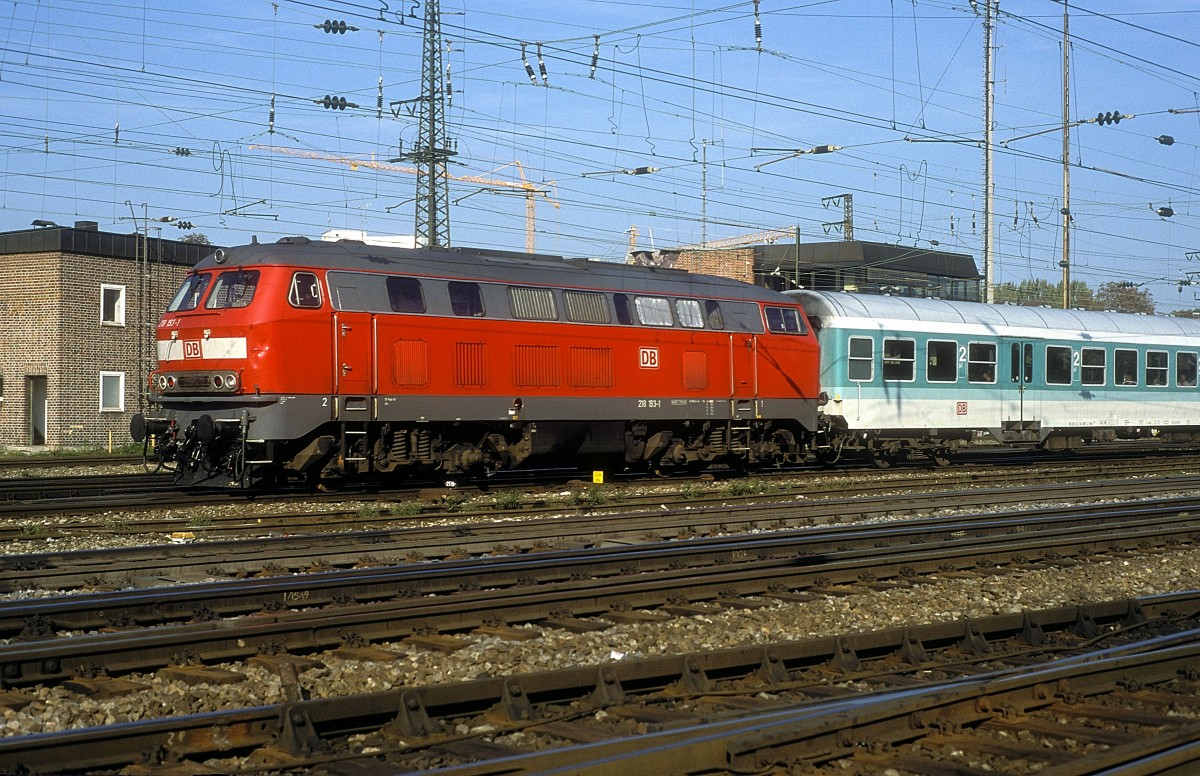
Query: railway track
[1065, 691]
[489, 534]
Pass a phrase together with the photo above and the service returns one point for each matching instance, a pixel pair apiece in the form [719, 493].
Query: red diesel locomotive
[328, 361]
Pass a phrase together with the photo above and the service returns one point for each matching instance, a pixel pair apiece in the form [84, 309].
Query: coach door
[1020, 406]
[743, 374]
[353, 353]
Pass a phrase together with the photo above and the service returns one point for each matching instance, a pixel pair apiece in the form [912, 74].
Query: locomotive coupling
[141, 427]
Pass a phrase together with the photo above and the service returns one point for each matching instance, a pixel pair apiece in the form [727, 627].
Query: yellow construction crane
[531, 191]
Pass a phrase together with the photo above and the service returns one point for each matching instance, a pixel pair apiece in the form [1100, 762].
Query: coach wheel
[940, 456]
[883, 459]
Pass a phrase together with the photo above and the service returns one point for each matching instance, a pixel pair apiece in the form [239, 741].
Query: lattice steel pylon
[433, 150]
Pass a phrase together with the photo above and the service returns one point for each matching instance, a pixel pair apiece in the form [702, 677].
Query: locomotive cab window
[1094, 366]
[305, 290]
[899, 359]
[624, 309]
[1156, 367]
[941, 361]
[465, 299]
[405, 295]
[190, 292]
[234, 288]
[653, 310]
[861, 363]
[1185, 369]
[1125, 367]
[981, 362]
[532, 304]
[784, 320]
[688, 312]
[1058, 365]
[712, 311]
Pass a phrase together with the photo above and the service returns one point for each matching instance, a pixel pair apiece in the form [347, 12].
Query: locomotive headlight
[170, 381]
[218, 382]
[162, 382]
[231, 382]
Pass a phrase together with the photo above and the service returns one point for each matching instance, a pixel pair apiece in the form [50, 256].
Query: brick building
[80, 308]
[850, 265]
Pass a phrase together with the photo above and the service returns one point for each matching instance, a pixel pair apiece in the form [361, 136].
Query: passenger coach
[918, 376]
[326, 361]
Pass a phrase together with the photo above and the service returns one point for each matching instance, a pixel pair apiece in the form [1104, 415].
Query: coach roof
[831, 305]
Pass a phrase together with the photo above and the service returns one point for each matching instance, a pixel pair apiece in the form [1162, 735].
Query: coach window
[405, 295]
[190, 292]
[586, 307]
[1058, 365]
[981, 362]
[941, 361]
[1125, 367]
[1156, 367]
[532, 304]
[688, 312]
[861, 364]
[1094, 366]
[233, 289]
[784, 320]
[899, 359]
[305, 290]
[1021, 363]
[1185, 369]
[465, 299]
[112, 305]
[653, 310]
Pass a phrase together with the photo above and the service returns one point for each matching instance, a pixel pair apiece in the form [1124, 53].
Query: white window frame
[120, 377]
[118, 311]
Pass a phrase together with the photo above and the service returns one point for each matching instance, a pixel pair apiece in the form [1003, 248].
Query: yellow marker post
[598, 478]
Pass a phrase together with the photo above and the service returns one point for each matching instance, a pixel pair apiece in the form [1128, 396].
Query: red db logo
[961, 408]
[191, 348]
[648, 358]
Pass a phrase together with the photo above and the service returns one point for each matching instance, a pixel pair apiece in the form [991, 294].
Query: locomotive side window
[688, 311]
[305, 290]
[1094, 366]
[533, 304]
[404, 295]
[1125, 363]
[1058, 365]
[1156, 367]
[653, 310]
[233, 289]
[712, 311]
[586, 307]
[624, 309]
[941, 361]
[899, 359]
[784, 320]
[861, 364]
[190, 292]
[465, 299]
[981, 362]
[1185, 369]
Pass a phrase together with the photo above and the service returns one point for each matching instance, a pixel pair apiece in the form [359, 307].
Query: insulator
[528, 67]
[757, 27]
[595, 56]
[379, 100]
[271, 117]
[542, 65]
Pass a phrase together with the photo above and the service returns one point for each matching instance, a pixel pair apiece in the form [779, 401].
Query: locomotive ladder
[349, 436]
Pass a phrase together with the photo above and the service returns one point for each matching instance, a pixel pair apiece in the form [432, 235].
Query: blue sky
[131, 109]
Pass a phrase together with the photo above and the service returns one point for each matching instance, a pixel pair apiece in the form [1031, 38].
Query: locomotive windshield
[190, 293]
[233, 289]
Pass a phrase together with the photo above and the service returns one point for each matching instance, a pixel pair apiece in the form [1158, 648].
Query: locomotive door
[743, 375]
[1020, 407]
[353, 353]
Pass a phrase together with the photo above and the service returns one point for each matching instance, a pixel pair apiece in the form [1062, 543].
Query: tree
[1124, 298]
[196, 237]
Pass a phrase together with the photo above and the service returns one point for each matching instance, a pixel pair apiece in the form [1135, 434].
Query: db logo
[960, 408]
[648, 358]
[191, 348]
